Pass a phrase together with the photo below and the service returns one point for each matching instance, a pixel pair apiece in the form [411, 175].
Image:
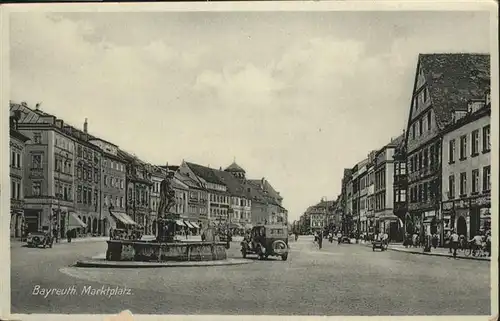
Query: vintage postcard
[250, 160]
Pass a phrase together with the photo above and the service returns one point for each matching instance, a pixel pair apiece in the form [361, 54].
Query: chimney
[37, 106]
[85, 126]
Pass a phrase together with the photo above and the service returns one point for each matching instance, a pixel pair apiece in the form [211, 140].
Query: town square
[252, 163]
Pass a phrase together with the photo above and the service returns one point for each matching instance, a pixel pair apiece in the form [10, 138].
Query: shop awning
[75, 222]
[248, 226]
[195, 225]
[188, 224]
[124, 218]
[180, 223]
[235, 225]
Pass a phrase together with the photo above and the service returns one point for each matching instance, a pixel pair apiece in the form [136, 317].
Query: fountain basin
[148, 251]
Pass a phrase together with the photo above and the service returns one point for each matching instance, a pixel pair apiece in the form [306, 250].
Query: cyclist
[476, 242]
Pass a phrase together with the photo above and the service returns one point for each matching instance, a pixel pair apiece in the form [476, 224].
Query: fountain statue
[166, 219]
[165, 248]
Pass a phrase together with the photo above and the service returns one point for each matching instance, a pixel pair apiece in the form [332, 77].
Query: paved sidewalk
[443, 252]
[18, 243]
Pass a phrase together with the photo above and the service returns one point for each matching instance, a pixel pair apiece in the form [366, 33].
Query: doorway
[462, 226]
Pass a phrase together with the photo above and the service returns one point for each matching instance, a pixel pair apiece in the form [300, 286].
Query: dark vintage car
[266, 240]
[36, 239]
[378, 244]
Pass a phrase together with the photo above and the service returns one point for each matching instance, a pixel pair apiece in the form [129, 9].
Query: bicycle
[475, 250]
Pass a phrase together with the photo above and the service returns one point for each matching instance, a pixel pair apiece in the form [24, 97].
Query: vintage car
[378, 244]
[266, 240]
[35, 239]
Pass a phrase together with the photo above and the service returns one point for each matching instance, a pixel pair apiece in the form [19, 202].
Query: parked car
[35, 239]
[266, 240]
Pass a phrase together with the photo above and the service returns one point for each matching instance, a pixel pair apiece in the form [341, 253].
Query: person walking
[454, 239]
[320, 239]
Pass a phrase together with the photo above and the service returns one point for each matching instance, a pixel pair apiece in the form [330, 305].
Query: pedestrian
[448, 240]
[320, 239]
[454, 243]
[68, 235]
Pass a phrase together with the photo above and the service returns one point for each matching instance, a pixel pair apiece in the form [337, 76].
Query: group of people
[482, 240]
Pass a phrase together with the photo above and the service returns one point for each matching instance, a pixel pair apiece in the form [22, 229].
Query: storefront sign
[461, 204]
[447, 206]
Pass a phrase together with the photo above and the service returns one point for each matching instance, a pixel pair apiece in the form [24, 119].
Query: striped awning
[188, 224]
[195, 225]
[124, 218]
[75, 222]
[180, 223]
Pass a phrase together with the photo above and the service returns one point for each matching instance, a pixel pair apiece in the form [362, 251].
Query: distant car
[267, 240]
[345, 239]
[35, 239]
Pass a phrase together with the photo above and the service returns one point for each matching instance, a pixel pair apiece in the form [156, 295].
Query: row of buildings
[436, 176]
[64, 178]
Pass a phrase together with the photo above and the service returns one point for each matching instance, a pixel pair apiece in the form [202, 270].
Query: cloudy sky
[296, 97]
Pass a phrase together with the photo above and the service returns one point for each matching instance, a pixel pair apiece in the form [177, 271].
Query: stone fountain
[165, 248]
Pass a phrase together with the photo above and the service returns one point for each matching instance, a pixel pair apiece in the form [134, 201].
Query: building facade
[439, 93]
[197, 205]
[112, 190]
[400, 185]
[48, 170]
[466, 178]
[17, 144]
[385, 220]
[158, 174]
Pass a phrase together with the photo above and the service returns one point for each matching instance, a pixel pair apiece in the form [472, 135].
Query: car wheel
[284, 257]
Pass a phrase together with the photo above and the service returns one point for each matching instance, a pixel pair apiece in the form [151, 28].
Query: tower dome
[236, 170]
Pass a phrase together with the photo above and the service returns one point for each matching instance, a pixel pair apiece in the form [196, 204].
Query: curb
[442, 255]
[121, 264]
[433, 254]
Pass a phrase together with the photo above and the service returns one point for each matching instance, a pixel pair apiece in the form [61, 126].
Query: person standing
[454, 239]
[320, 239]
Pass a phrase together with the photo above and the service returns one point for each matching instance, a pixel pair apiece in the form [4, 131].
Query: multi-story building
[275, 213]
[400, 186]
[385, 220]
[358, 173]
[138, 186]
[88, 179]
[158, 174]
[466, 171]
[444, 83]
[112, 190]
[17, 145]
[318, 214]
[48, 171]
[241, 205]
[217, 192]
[370, 200]
[363, 196]
[347, 217]
[197, 204]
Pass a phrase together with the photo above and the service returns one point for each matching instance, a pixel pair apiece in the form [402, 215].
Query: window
[415, 102]
[463, 184]
[475, 181]
[65, 194]
[96, 197]
[463, 147]
[426, 158]
[486, 139]
[420, 161]
[420, 192]
[451, 151]
[451, 187]
[96, 175]
[475, 143]
[429, 120]
[413, 130]
[79, 151]
[18, 160]
[486, 178]
[37, 188]
[421, 126]
[37, 161]
[105, 180]
[425, 191]
[37, 138]
[84, 195]
[12, 189]
[402, 195]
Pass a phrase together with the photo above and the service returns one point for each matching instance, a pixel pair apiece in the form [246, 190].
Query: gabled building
[444, 84]
[218, 196]
[197, 203]
[240, 202]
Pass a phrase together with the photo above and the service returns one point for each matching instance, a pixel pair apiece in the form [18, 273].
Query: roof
[267, 187]
[234, 186]
[453, 80]
[205, 172]
[190, 182]
[234, 168]
[258, 194]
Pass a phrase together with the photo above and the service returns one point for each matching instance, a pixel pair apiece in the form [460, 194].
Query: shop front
[467, 216]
